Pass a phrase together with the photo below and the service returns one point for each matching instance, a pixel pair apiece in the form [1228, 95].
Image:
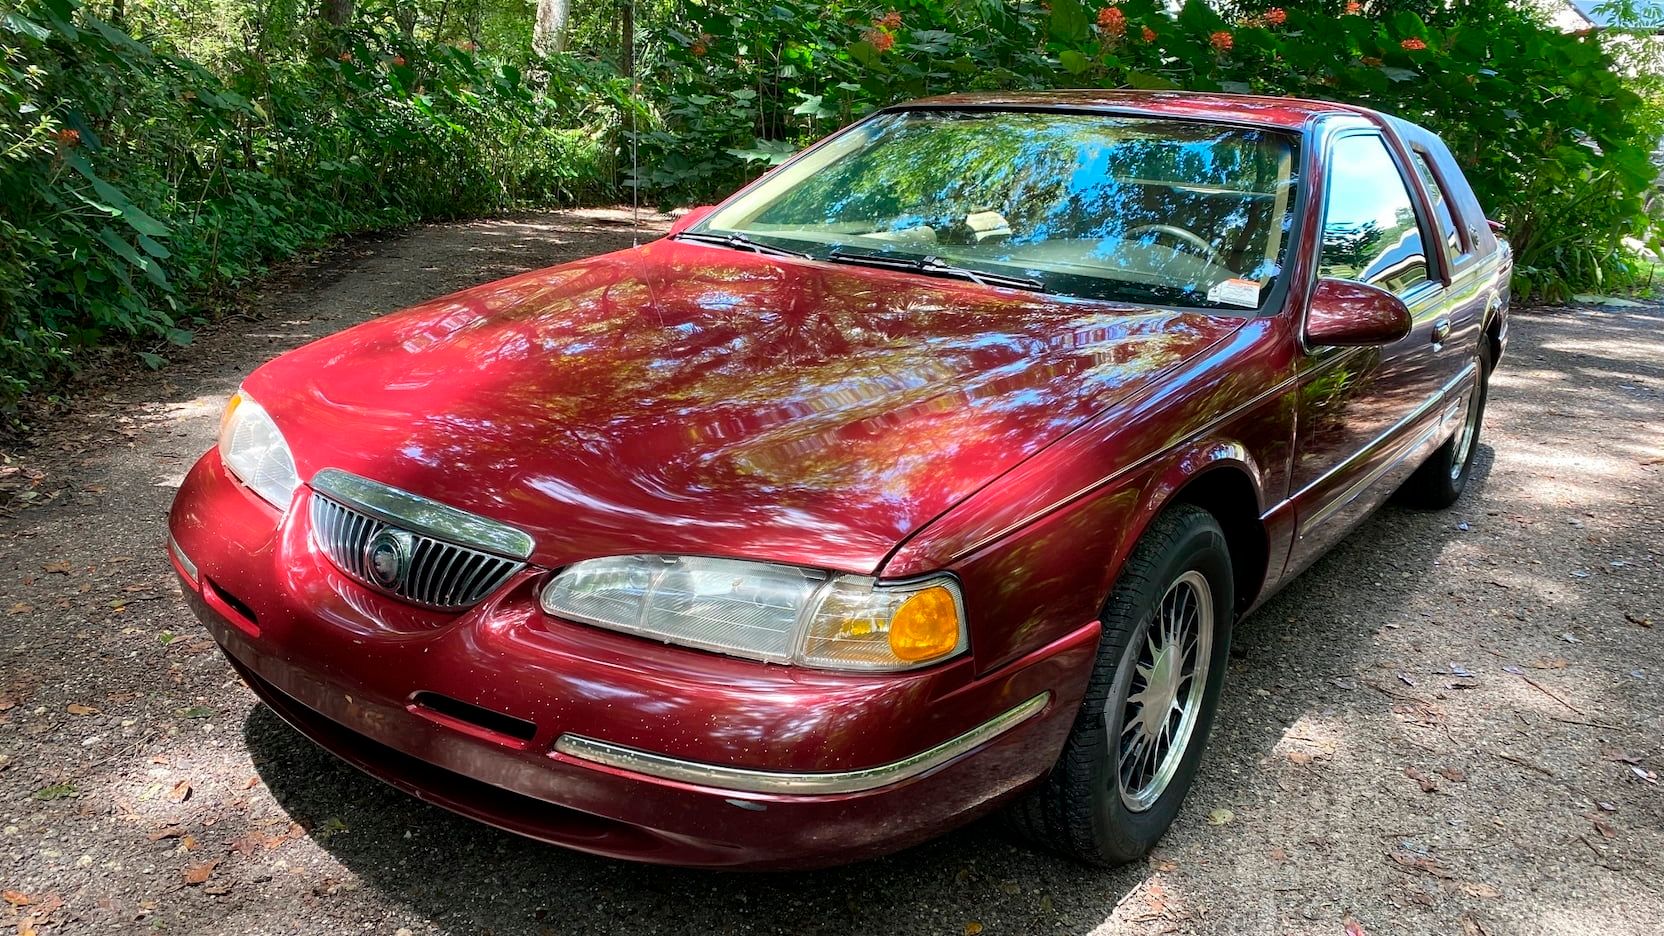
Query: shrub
[136, 182]
[1551, 136]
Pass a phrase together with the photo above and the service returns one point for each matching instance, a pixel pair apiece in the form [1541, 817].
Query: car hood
[684, 398]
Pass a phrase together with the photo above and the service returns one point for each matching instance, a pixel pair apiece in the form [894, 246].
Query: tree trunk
[627, 40]
[554, 18]
[336, 13]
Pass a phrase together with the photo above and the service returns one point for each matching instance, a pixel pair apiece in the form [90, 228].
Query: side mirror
[690, 218]
[1344, 314]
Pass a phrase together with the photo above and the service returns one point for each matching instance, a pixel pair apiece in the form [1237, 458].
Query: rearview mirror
[1344, 314]
[692, 217]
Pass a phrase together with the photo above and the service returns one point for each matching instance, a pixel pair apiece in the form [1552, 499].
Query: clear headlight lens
[254, 451]
[781, 614]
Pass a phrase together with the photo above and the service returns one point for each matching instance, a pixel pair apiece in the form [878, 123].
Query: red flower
[698, 50]
[890, 20]
[1276, 16]
[1353, 8]
[345, 56]
[1149, 34]
[398, 61]
[1370, 60]
[1113, 22]
[68, 137]
[1412, 45]
[1221, 41]
[880, 40]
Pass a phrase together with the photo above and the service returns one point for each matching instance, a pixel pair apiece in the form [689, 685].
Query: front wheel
[1138, 737]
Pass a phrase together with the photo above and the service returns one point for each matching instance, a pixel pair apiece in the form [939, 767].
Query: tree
[554, 20]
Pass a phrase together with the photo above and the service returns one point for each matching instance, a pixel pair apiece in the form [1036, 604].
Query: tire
[1440, 481]
[1086, 808]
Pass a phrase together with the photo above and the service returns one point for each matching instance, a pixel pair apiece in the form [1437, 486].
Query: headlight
[255, 452]
[781, 614]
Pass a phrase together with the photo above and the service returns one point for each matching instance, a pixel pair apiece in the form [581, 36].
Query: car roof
[1285, 113]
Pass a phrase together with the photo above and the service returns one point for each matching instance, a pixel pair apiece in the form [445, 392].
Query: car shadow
[469, 877]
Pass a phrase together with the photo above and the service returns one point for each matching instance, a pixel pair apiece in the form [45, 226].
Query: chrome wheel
[1466, 435]
[1164, 697]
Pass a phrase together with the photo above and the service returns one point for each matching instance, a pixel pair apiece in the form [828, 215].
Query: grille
[440, 574]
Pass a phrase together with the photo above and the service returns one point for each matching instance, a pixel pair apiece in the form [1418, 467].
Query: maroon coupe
[926, 474]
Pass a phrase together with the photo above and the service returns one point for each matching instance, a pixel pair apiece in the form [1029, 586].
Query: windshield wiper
[740, 242]
[936, 266]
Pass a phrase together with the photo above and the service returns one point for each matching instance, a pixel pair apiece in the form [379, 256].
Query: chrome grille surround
[452, 559]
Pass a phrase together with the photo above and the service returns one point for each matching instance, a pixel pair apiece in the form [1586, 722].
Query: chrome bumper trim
[419, 514]
[184, 560]
[741, 779]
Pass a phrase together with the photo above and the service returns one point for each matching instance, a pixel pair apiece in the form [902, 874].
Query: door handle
[1441, 330]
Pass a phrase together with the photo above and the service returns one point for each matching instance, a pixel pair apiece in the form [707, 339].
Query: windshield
[1147, 210]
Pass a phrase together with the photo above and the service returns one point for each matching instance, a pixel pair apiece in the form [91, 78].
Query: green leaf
[1144, 81]
[25, 27]
[152, 361]
[864, 52]
[1073, 62]
[1399, 74]
[1068, 22]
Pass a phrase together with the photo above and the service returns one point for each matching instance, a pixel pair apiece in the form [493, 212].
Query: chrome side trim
[1421, 410]
[746, 780]
[419, 514]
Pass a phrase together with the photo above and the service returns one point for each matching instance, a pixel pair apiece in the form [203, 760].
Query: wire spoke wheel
[1466, 434]
[1164, 695]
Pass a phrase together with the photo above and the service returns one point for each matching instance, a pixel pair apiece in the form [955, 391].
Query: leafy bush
[1548, 132]
[135, 182]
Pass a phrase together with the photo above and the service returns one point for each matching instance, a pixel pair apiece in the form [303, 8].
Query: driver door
[1367, 416]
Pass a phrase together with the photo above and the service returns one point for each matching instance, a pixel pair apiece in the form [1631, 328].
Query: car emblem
[387, 557]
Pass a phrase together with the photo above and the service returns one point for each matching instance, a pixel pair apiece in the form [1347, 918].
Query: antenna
[635, 105]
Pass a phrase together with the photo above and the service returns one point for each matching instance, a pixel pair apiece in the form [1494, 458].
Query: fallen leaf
[972, 928]
[1354, 928]
[196, 874]
[1480, 890]
[251, 783]
[181, 791]
[1638, 619]
[76, 708]
[22, 607]
[219, 887]
[16, 898]
[169, 832]
[1603, 827]
[1620, 757]
[1454, 774]
[1278, 855]
[1645, 774]
[1549, 663]
[1427, 784]
[1299, 758]
[1221, 817]
[61, 568]
[189, 843]
[1471, 927]
[1423, 863]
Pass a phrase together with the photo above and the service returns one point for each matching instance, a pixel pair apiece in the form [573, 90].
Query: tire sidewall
[1123, 834]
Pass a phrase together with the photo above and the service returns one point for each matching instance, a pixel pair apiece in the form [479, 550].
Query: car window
[1145, 210]
[1441, 206]
[1369, 224]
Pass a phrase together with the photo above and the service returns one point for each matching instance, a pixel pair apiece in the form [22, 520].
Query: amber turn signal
[925, 626]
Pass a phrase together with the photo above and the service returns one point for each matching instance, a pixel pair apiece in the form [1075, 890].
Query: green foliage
[136, 182]
[1553, 138]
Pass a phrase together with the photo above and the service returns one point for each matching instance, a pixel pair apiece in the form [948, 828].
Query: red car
[926, 474]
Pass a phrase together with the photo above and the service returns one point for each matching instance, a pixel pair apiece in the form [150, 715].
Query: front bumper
[602, 742]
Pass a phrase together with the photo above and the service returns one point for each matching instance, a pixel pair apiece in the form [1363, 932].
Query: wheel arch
[1222, 479]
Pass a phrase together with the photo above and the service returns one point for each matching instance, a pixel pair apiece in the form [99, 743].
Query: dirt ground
[1451, 725]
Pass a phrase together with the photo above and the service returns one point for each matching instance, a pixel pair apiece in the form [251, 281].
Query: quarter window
[1441, 206]
[1370, 232]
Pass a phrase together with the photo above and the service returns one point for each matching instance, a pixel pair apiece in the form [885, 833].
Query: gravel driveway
[1450, 725]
